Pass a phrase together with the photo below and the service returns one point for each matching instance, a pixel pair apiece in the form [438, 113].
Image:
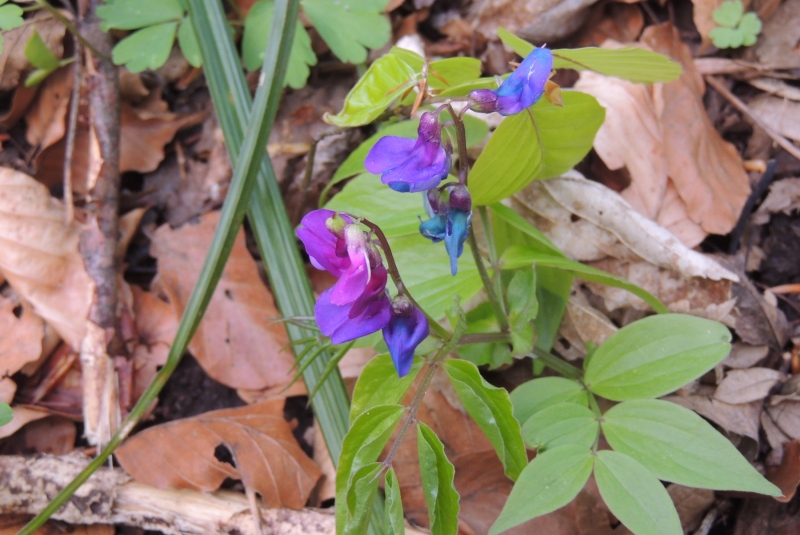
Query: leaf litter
[674, 149]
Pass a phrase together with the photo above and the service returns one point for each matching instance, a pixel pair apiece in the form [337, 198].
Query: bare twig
[787, 145]
[72, 124]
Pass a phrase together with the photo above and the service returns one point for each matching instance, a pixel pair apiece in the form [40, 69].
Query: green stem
[560, 365]
[494, 261]
[69, 26]
[482, 338]
[398, 281]
[461, 139]
[502, 319]
[231, 217]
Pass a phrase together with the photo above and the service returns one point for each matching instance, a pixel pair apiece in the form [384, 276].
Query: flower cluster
[358, 304]
[521, 90]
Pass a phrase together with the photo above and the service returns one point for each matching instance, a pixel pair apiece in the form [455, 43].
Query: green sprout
[736, 28]
[10, 18]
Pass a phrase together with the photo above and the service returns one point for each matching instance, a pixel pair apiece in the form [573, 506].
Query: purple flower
[406, 329]
[357, 305]
[410, 165]
[521, 90]
[459, 219]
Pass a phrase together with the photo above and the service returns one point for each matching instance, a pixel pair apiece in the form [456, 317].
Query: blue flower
[411, 165]
[434, 229]
[521, 90]
[459, 218]
[407, 328]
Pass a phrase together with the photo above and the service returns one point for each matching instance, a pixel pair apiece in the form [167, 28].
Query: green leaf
[456, 71]
[393, 519]
[363, 444]
[349, 26]
[379, 384]
[677, 445]
[552, 291]
[750, 26]
[6, 414]
[727, 37]
[254, 43]
[548, 483]
[425, 266]
[535, 238]
[635, 496]
[534, 396]
[523, 307]
[437, 475]
[482, 319]
[361, 497]
[568, 133]
[729, 13]
[519, 256]
[463, 89]
[135, 14]
[39, 55]
[10, 17]
[146, 49]
[560, 425]
[187, 40]
[384, 82]
[656, 355]
[490, 407]
[511, 159]
[634, 64]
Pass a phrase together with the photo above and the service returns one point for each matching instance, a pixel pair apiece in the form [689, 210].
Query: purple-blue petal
[525, 86]
[456, 233]
[388, 152]
[402, 335]
[424, 169]
[335, 321]
[321, 244]
[354, 280]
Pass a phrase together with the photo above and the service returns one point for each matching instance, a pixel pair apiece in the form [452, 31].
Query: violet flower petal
[335, 321]
[403, 334]
[321, 244]
[388, 152]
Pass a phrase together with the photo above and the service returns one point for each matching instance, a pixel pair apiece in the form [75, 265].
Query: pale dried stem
[787, 145]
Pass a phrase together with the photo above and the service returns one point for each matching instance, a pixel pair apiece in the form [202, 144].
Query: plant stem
[493, 258]
[502, 319]
[461, 139]
[560, 365]
[398, 281]
[72, 29]
[482, 338]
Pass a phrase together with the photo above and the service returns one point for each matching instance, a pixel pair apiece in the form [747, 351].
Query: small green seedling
[736, 28]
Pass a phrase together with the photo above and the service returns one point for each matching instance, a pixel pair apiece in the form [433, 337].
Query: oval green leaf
[146, 49]
[655, 356]
[490, 407]
[349, 27]
[437, 475]
[361, 497]
[536, 395]
[560, 425]
[635, 496]
[677, 445]
[6, 414]
[135, 14]
[379, 384]
[548, 483]
[393, 519]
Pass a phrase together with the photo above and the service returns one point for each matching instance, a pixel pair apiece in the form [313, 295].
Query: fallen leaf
[45, 118]
[22, 416]
[786, 476]
[617, 21]
[783, 197]
[691, 504]
[777, 43]
[776, 87]
[40, 257]
[743, 386]
[156, 324]
[53, 435]
[238, 342]
[757, 321]
[663, 136]
[266, 457]
[57, 528]
[781, 114]
[703, 14]
[13, 62]
[742, 419]
[535, 20]
[607, 226]
[21, 333]
[745, 355]
[582, 323]
[22, 98]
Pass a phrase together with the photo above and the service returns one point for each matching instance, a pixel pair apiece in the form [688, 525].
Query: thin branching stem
[72, 124]
[72, 29]
[560, 365]
[502, 319]
[494, 261]
[461, 138]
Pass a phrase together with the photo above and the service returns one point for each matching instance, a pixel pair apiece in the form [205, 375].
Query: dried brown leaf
[54, 435]
[22, 98]
[742, 419]
[45, 118]
[691, 504]
[238, 342]
[40, 257]
[777, 43]
[786, 476]
[20, 337]
[745, 355]
[780, 114]
[156, 323]
[13, 62]
[22, 416]
[743, 386]
[783, 196]
[268, 460]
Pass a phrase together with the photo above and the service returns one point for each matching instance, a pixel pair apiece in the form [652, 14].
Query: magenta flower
[357, 305]
[411, 165]
[521, 90]
[406, 329]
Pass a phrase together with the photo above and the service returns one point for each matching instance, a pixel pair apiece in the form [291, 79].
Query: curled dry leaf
[21, 333]
[777, 43]
[783, 196]
[691, 504]
[13, 62]
[780, 114]
[22, 416]
[535, 20]
[582, 323]
[40, 258]
[745, 355]
[743, 386]
[664, 137]
[267, 458]
[54, 435]
[786, 476]
[238, 342]
[742, 419]
[156, 323]
[607, 226]
[45, 118]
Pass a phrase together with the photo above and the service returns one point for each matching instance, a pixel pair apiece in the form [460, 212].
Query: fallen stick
[110, 496]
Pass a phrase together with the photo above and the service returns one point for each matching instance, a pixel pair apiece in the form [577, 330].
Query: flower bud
[483, 100]
[407, 328]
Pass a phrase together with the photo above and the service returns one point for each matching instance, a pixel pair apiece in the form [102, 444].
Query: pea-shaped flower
[459, 219]
[522, 89]
[406, 329]
[411, 165]
[357, 305]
